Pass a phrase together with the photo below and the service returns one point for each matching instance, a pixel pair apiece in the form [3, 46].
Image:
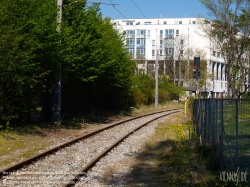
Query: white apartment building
[174, 42]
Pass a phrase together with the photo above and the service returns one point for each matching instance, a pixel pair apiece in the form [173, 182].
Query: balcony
[140, 46]
[130, 36]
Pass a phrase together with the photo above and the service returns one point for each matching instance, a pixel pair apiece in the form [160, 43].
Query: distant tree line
[96, 71]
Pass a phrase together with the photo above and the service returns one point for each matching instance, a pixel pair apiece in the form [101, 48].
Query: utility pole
[174, 72]
[57, 86]
[179, 82]
[196, 71]
[156, 73]
[188, 58]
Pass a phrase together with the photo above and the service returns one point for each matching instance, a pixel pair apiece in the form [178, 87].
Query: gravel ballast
[58, 168]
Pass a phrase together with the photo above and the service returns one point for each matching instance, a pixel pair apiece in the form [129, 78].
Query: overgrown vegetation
[143, 90]
[174, 157]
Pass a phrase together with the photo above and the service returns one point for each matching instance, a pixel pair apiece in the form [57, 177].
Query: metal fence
[224, 125]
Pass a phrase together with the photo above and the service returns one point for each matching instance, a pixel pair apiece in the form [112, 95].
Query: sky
[136, 9]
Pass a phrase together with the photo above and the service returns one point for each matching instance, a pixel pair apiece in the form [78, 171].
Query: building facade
[173, 43]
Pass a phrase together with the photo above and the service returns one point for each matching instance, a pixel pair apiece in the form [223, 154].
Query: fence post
[236, 124]
[214, 111]
[195, 117]
[203, 118]
[221, 134]
[210, 121]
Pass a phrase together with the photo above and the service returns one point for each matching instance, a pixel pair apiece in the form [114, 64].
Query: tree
[229, 33]
[96, 68]
[182, 54]
[27, 55]
[179, 56]
[204, 75]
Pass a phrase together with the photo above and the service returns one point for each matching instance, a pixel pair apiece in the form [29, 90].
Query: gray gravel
[57, 169]
[115, 168]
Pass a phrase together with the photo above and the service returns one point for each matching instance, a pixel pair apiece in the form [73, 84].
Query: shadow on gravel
[170, 163]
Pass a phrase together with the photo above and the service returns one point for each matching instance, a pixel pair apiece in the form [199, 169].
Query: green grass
[230, 116]
[173, 157]
[184, 162]
[20, 145]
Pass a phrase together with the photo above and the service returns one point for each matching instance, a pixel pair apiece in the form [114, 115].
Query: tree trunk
[46, 106]
[5, 109]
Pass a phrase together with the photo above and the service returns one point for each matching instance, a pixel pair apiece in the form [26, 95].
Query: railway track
[64, 165]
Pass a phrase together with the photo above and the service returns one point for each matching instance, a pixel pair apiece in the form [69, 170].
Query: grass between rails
[173, 157]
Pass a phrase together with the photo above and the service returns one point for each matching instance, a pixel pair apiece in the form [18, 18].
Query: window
[161, 43]
[182, 41]
[131, 43]
[181, 52]
[180, 22]
[131, 52]
[177, 32]
[161, 54]
[153, 42]
[129, 23]
[193, 22]
[169, 33]
[130, 33]
[169, 43]
[140, 41]
[141, 32]
[169, 52]
[161, 33]
[165, 23]
[153, 52]
[148, 32]
[141, 51]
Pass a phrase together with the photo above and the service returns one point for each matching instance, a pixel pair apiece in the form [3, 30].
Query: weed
[179, 159]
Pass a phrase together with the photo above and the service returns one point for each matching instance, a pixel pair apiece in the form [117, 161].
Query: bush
[163, 95]
[143, 90]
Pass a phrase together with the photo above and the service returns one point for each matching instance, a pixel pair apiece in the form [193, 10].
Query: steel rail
[35, 158]
[88, 166]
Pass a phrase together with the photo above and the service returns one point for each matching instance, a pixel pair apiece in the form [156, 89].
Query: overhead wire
[142, 14]
[139, 9]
